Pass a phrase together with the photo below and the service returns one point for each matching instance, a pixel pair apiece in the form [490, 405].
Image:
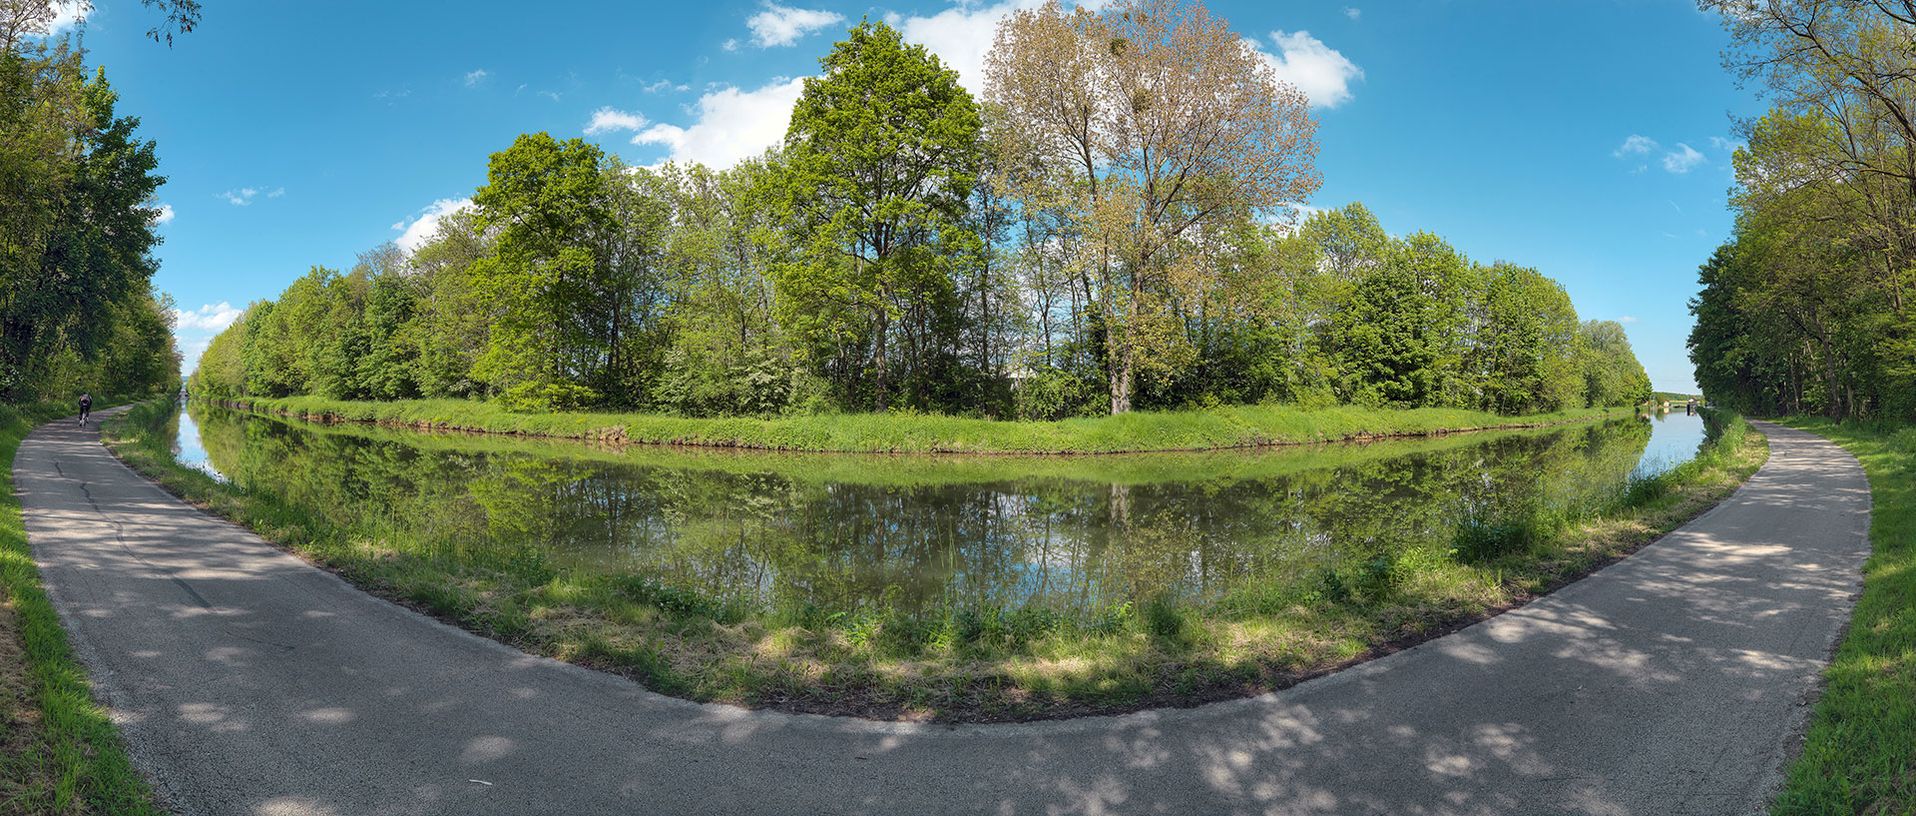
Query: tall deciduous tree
[880, 159]
[1152, 125]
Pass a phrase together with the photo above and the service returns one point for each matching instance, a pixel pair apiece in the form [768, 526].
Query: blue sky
[1588, 139]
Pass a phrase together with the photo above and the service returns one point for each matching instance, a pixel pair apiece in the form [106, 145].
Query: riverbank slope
[954, 661]
[1240, 426]
[1666, 684]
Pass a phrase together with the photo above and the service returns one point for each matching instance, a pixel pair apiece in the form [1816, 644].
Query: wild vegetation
[996, 588]
[910, 247]
[1811, 306]
[1807, 310]
[77, 313]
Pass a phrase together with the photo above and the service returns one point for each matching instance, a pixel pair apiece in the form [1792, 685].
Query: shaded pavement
[247, 682]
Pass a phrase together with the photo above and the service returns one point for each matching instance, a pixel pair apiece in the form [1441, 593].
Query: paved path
[249, 683]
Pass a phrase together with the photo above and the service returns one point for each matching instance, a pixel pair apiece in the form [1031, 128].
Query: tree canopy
[1112, 228]
[77, 310]
[1808, 307]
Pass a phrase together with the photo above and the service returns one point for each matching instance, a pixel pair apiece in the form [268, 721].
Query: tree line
[1808, 307]
[77, 308]
[1106, 229]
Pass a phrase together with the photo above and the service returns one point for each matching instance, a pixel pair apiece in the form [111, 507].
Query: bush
[1051, 393]
[1487, 536]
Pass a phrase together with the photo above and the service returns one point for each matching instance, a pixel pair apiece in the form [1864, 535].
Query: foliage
[1807, 309]
[1142, 130]
[76, 236]
[910, 248]
[880, 163]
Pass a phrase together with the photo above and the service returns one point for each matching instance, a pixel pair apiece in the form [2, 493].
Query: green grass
[962, 663]
[1860, 753]
[1232, 427]
[59, 753]
[1129, 468]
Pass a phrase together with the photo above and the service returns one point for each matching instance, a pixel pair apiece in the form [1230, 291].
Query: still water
[829, 533]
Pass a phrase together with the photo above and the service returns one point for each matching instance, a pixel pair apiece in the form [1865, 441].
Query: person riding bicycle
[86, 407]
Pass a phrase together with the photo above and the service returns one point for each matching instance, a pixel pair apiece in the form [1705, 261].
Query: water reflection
[816, 535]
[188, 449]
[1674, 439]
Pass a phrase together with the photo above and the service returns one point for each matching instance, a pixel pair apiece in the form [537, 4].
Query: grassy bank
[1231, 427]
[976, 664]
[1860, 754]
[59, 753]
[1130, 468]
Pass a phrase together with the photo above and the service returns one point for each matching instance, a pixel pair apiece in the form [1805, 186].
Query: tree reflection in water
[811, 536]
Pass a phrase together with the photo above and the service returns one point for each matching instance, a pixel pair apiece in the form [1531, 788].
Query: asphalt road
[247, 682]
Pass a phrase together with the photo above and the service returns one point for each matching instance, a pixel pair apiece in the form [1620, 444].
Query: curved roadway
[247, 682]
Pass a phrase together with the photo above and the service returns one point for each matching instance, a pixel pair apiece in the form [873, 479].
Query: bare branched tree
[1150, 123]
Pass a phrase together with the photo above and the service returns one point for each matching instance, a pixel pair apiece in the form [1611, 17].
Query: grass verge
[59, 753]
[976, 664]
[1859, 755]
[1241, 426]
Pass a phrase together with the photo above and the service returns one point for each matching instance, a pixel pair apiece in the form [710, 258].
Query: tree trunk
[1121, 378]
[880, 384]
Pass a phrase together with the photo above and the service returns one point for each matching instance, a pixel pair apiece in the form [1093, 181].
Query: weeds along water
[953, 588]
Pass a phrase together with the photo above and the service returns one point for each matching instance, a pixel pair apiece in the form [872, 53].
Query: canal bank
[955, 589]
[1669, 683]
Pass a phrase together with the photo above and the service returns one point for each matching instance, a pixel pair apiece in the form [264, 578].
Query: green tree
[1526, 354]
[547, 200]
[880, 160]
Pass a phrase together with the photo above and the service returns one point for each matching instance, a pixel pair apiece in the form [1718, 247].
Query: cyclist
[86, 407]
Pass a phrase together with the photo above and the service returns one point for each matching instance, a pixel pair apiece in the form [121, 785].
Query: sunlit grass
[1860, 753]
[1227, 427]
[958, 662]
[59, 752]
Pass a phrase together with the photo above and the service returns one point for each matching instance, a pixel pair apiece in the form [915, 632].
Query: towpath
[247, 682]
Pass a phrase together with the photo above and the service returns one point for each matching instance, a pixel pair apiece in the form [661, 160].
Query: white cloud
[1309, 65]
[732, 124]
[961, 36]
[783, 25]
[244, 196]
[1626, 320]
[66, 15]
[1636, 145]
[1353, 13]
[1726, 145]
[414, 233]
[606, 120]
[1683, 159]
[162, 214]
[665, 85]
[476, 76]
[212, 317]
